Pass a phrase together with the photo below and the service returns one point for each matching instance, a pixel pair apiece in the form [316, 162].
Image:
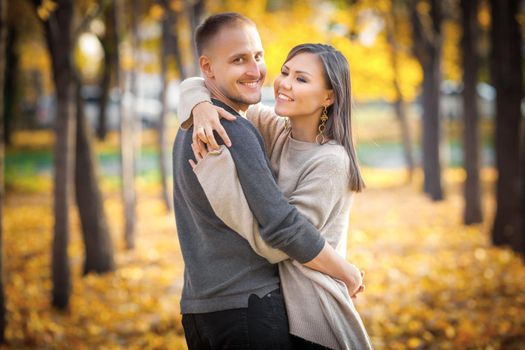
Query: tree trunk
[472, 213]
[196, 11]
[400, 110]
[171, 17]
[427, 48]
[163, 146]
[127, 147]
[522, 228]
[11, 92]
[399, 103]
[3, 37]
[109, 52]
[136, 70]
[58, 29]
[506, 61]
[432, 130]
[95, 232]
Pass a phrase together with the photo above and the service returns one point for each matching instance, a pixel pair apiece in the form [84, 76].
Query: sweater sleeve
[281, 225]
[192, 92]
[229, 202]
[320, 191]
[316, 197]
[267, 122]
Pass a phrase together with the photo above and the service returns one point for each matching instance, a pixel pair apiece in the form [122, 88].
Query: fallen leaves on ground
[135, 307]
[431, 283]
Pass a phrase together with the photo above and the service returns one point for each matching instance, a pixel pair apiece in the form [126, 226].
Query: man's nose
[253, 69]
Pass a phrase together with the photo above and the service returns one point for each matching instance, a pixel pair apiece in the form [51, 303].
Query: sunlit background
[437, 234]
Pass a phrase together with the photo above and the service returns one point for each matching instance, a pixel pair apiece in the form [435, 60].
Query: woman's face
[300, 90]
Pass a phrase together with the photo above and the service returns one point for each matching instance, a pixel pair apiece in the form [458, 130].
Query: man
[231, 296]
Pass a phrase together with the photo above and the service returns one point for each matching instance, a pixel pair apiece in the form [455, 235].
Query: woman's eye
[284, 73]
[301, 79]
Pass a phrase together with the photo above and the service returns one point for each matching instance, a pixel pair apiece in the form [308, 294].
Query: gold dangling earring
[320, 136]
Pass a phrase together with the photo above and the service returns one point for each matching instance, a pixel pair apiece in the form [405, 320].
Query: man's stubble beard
[240, 100]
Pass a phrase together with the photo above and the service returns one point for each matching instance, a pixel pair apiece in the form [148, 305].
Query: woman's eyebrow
[297, 71]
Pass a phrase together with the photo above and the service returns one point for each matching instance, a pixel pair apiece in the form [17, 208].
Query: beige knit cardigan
[315, 179]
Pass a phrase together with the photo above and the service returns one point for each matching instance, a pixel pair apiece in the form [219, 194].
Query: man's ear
[206, 66]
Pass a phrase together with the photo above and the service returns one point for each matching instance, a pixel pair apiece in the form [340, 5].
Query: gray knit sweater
[221, 270]
[315, 180]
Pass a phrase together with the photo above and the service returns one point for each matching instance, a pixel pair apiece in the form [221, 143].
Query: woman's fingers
[199, 147]
[205, 126]
[203, 148]
[199, 134]
[225, 114]
[211, 138]
[359, 290]
[224, 136]
[198, 152]
[219, 129]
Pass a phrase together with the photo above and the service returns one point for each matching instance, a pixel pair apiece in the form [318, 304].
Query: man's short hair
[208, 29]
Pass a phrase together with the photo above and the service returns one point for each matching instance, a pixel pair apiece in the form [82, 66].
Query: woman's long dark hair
[339, 124]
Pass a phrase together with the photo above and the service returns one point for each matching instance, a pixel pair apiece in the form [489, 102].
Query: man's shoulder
[241, 131]
[241, 127]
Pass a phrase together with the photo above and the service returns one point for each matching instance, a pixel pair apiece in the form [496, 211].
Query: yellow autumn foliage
[325, 22]
[431, 283]
[282, 26]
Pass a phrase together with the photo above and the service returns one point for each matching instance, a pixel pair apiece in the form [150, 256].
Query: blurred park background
[90, 257]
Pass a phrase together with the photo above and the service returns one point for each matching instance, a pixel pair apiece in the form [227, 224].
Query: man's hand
[206, 120]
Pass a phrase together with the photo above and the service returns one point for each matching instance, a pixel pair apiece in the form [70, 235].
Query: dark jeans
[263, 325]
[302, 344]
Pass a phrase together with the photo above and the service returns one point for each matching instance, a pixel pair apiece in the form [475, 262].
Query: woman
[313, 157]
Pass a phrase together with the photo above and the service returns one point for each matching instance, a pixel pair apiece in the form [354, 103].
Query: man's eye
[258, 57]
[238, 60]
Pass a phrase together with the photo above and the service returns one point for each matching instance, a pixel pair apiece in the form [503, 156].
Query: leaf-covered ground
[431, 283]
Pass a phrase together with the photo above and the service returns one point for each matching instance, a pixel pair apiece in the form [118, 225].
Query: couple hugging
[262, 217]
